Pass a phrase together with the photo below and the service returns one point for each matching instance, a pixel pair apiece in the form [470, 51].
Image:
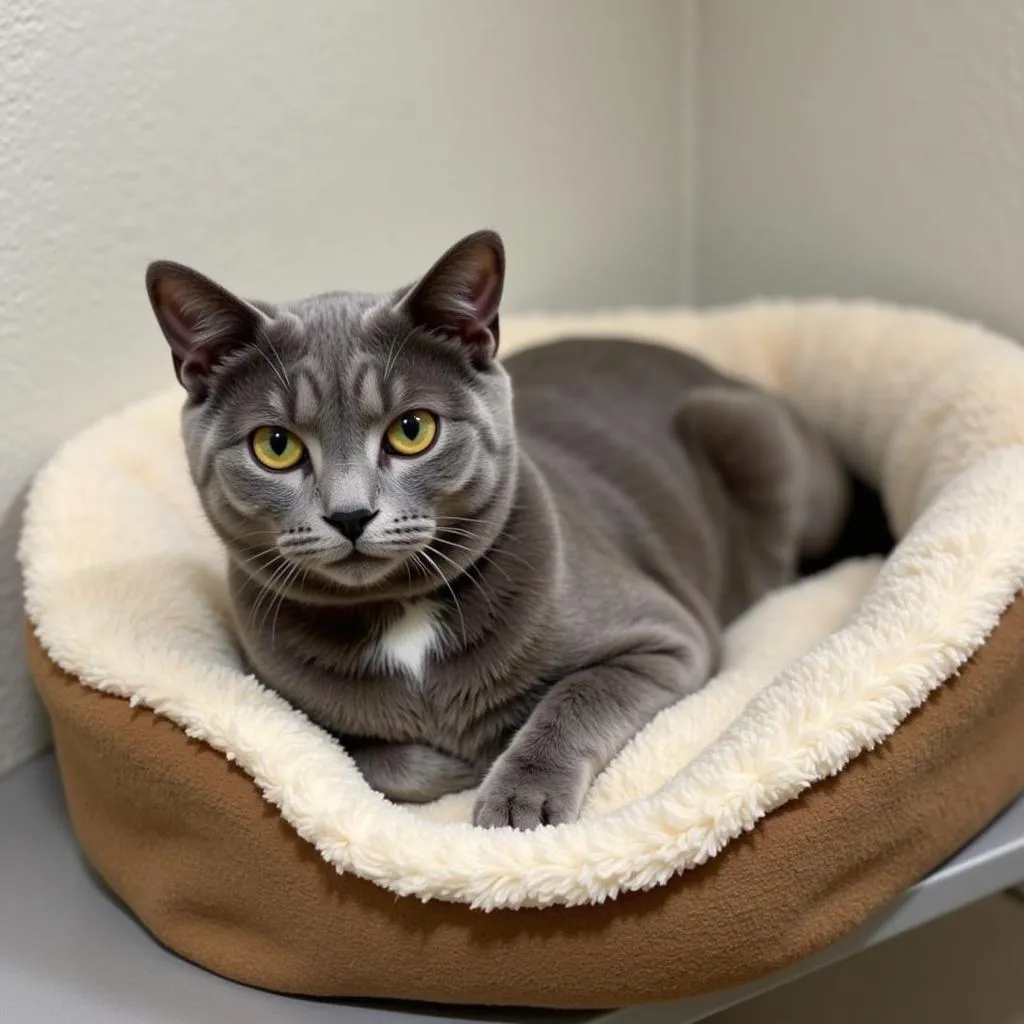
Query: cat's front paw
[524, 795]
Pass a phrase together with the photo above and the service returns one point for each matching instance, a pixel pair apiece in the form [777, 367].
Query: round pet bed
[866, 722]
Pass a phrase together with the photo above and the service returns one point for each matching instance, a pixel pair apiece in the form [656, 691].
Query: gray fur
[581, 555]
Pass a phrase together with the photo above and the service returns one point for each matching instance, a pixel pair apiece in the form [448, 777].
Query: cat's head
[348, 445]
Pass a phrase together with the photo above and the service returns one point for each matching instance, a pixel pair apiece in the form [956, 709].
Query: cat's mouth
[352, 569]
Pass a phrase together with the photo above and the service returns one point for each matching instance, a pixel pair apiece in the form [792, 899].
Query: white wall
[856, 147]
[291, 147]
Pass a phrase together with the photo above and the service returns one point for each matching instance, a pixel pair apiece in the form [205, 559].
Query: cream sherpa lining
[124, 582]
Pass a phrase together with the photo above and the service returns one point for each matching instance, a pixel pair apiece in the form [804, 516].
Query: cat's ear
[202, 322]
[460, 294]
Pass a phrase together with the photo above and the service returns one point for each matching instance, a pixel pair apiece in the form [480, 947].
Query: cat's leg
[411, 772]
[580, 724]
[775, 464]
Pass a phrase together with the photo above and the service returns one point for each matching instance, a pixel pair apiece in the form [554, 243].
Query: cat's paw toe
[526, 800]
[513, 811]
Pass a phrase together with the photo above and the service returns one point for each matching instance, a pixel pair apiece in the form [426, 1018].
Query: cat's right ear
[202, 322]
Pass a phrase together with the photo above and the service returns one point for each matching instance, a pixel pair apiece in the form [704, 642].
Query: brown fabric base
[184, 838]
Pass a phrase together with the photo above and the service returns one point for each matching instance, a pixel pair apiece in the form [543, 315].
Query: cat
[479, 572]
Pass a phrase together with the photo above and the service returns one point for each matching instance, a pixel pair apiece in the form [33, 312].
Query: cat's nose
[351, 524]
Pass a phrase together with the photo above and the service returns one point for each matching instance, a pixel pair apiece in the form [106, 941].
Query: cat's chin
[359, 570]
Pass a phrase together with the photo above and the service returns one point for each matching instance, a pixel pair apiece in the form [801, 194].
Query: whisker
[458, 568]
[257, 533]
[490, 555]
[425, 572]
[481, 585]
[277, 373]
[478, 580]
[470, 519]
[280, 362]
[280, 603]
[485, 557]
[462, 533]
[267, 588]
[259, 554]
[393, 355]
[264, 588]
[458, 607]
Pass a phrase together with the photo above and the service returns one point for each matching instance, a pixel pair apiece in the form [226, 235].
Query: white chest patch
[407, 642]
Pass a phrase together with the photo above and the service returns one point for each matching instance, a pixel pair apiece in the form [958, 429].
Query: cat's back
[616, 387]
[598, 419]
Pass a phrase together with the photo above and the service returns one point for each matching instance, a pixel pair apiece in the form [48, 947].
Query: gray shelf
[992, 862]
[69, 952]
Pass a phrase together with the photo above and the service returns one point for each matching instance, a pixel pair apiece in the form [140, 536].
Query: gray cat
[467, 595]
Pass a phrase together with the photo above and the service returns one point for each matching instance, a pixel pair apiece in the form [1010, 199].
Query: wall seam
[688, 141]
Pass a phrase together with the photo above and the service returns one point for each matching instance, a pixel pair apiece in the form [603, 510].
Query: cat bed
[865, 723]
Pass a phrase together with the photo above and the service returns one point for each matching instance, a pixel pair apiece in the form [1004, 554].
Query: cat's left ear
[460, 294]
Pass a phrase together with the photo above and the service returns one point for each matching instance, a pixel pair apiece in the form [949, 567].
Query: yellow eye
[412, 433]
[277, 448]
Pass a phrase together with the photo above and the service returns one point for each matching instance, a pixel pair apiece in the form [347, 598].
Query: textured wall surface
[864, 147]
[289, 148]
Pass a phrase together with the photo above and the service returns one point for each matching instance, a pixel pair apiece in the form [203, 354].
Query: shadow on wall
[24, 729]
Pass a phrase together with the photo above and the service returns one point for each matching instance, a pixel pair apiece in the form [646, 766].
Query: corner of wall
[688, 141]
